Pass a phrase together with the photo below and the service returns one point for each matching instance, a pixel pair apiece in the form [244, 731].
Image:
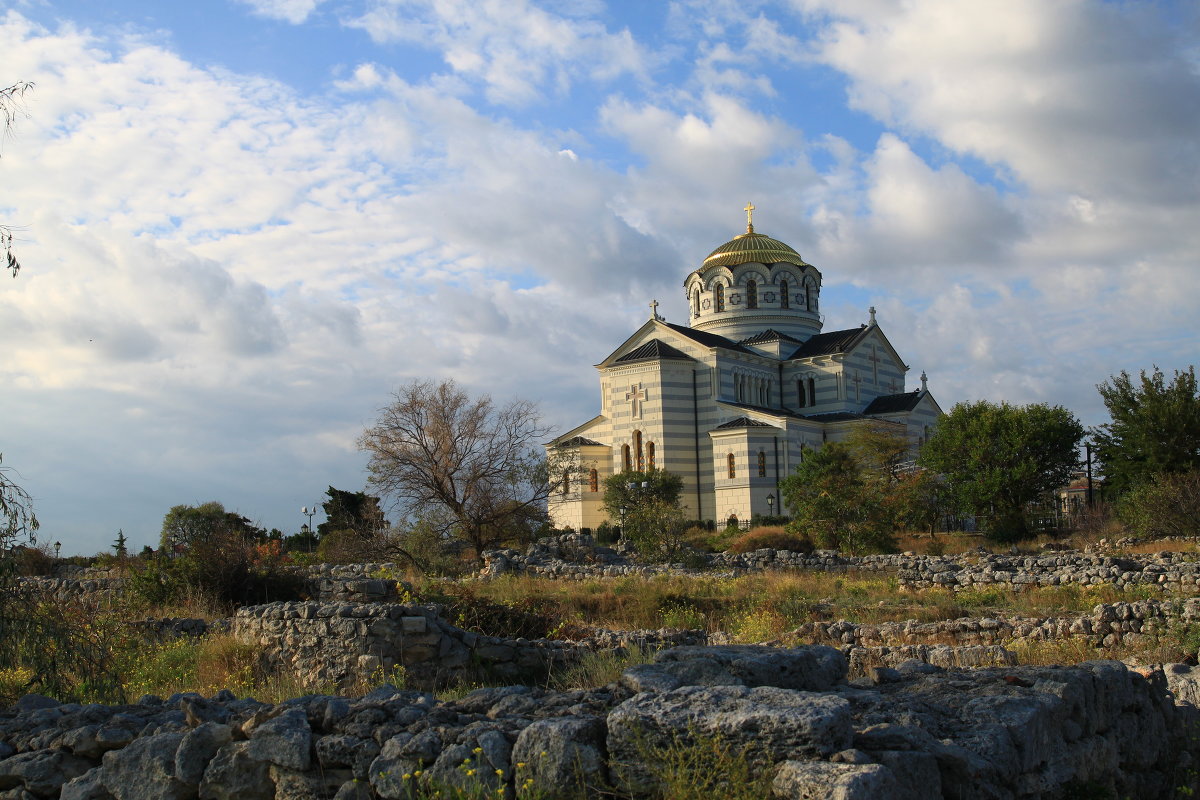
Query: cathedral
[732, 401]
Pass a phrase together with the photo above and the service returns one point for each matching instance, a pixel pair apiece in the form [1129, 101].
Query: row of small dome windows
[808, 299]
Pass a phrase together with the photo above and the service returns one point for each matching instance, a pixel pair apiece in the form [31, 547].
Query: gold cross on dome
[749, 209]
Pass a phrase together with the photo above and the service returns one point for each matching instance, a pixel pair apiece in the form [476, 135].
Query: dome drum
[751, 282]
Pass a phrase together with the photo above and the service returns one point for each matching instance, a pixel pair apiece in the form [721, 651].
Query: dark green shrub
[774, 538]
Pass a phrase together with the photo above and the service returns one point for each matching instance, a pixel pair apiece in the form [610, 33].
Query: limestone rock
[198, 748]
[820, 780]
[814, 668]
[145, 770]
[561, 755]
[767, 723]
[284, 740]
[42, 773]
[234, 774]
[88, 786]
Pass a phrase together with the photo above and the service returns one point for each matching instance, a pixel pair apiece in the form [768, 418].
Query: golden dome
[752, 247]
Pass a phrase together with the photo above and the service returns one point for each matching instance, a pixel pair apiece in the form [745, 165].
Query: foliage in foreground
[1167, 505]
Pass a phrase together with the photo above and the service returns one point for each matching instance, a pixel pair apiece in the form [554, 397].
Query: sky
[245, 223]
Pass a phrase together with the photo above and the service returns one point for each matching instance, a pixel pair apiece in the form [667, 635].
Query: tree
[998, 458]
[189, 526]
[836, 502]
[120, 545]
[647, 505]
[1155, 427]
[356, 512]
[10, 109]
[434, 445]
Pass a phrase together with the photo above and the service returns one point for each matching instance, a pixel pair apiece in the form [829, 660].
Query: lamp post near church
[771, 505]
[309, 511]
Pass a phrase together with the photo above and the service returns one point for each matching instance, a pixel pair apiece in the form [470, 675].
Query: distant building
[732, 401]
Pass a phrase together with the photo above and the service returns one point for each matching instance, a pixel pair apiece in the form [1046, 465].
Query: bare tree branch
[436, 446]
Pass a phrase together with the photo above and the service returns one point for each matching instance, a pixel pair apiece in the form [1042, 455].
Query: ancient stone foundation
[909, 733]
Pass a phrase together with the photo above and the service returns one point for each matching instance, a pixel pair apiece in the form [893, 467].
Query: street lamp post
[309, 511]
[57, 549]
[771, 505]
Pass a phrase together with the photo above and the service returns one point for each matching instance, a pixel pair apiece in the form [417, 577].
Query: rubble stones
[1008, 732]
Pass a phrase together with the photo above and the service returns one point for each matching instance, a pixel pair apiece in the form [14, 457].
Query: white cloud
[293, 11]
[517, 51]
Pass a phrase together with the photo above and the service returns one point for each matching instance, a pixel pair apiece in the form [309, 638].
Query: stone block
[820, 780]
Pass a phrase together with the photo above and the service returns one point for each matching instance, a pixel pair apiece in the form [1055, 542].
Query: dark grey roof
[894, 403]
[578, 441]
[655, 348]
[769, 335]
[743, 422]
[834, 416]
[707, 339]
[775, 412]
[824, 344]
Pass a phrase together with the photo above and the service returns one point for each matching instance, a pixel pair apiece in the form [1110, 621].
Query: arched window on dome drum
[696, 303]
[808, 296]
[784, 300]
[800, 399]
[625, 458]
[751, 294]
[719, 299]
[650, 454]
[731, 462]
[762, 464]
[637, 449]
[812, 391]
[594, 481]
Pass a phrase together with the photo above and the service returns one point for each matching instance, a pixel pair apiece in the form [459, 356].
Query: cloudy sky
[245, 222]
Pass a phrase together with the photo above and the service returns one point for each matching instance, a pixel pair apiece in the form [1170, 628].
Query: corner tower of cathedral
[753, 283]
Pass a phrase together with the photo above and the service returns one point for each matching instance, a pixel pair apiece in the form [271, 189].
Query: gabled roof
[707, 339]
[769, 335]
[834, 416]
[824, 344]
[774, 412]
[742, 422]
[579, 441]
[894, 403]
[654, 349]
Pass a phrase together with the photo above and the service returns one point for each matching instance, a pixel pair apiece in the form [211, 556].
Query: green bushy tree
[838, 503]
[646, 502]
[997, 458]
[1154, 427]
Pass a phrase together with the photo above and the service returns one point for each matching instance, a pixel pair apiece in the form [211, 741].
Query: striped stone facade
[732, 402]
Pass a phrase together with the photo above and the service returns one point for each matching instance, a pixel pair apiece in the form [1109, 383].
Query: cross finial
[654, 309]
[749, 209]
[872, 312]
[924, 382]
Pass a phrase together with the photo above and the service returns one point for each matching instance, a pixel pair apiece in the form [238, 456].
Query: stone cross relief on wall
[635, 396]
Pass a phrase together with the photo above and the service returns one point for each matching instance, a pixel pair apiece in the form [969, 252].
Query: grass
[599, 668]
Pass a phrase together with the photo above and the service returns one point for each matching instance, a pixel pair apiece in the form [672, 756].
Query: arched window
[650, 454]
[566, 482]
[751, 294]
[637, 449]
[594, 481]
[784, 300]
[731, 462]
[625, 458]
[808, 296]
[762, 464]
[719, 300]
[696, 303]
[800, 398]
[812, 391]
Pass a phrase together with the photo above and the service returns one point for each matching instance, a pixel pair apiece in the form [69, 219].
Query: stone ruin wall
[916, 732]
